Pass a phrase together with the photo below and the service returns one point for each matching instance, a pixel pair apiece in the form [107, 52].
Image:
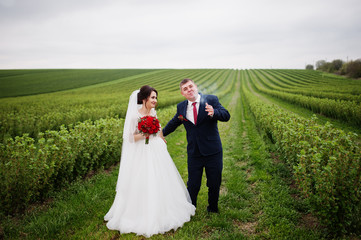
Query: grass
[256, 201]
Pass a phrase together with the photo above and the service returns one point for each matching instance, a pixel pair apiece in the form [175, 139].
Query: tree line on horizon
[350, 68]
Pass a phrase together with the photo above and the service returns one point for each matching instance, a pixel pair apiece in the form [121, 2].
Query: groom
[199, 115]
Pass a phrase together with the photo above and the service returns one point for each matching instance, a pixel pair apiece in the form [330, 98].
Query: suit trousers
[213, 166]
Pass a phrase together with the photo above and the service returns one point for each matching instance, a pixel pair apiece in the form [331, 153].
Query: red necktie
[195, 112]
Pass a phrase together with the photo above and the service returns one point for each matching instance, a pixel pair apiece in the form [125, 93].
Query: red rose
[180, 117]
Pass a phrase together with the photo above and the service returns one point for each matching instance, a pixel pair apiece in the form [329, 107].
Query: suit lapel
[183, 110]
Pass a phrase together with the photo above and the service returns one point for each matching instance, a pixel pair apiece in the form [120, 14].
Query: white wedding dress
[151, 197]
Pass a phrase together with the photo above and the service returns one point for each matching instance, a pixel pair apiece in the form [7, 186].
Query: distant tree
[336, 66]
[353, 68]
[309, 67]
[343, 70]
[320, 64]
[327, 67]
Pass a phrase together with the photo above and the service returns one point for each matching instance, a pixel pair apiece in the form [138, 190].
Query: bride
[151, 197]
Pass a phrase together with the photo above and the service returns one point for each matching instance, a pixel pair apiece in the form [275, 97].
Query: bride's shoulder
[153, 112]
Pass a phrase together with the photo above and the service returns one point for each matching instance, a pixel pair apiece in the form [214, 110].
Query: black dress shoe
[210, 210]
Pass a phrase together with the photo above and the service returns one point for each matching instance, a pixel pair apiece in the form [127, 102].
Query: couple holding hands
[151, 196]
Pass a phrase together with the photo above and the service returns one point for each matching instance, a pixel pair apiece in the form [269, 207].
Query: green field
[29, 82]
[292, 159]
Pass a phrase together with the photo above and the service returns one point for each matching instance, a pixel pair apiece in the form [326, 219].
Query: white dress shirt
[190, 116]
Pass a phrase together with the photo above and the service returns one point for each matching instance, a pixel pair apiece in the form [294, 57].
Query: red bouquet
[148, 125]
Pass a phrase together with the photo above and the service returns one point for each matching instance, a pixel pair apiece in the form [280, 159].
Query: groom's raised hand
[210, 110]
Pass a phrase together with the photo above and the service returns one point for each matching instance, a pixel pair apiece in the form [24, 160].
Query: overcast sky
[177, 34]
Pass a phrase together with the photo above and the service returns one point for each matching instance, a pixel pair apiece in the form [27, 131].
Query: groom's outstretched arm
[172, 125]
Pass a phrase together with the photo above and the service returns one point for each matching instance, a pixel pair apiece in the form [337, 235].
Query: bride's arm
[138, 136]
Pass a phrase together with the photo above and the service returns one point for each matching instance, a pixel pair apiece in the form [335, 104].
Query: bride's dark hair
[145, 92]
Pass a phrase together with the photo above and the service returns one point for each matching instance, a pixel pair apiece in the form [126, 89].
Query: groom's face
[190, 91]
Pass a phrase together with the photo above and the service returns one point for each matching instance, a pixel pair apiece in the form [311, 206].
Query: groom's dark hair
[184, 81]
[144, 93]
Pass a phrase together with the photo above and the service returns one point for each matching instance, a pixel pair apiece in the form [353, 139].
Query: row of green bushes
[296, 77]
[306, 90]
[326, 163]
[38, 117]
[348, 111]
[30, 169]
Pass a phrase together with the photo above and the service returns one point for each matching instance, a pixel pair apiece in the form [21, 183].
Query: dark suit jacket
[203, 138]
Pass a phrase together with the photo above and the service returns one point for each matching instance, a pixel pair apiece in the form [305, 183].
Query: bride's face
[151, 101]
